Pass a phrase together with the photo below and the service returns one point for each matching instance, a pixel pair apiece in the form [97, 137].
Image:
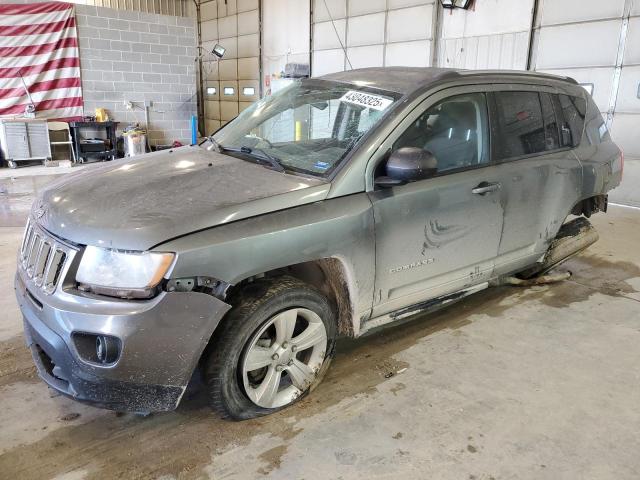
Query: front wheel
[272, 348]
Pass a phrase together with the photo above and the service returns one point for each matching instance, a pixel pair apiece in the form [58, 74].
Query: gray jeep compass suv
[334, 206]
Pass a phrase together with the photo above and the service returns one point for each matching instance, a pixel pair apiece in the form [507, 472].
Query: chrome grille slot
[41, 264]
[55, 269]
[34, 249]
[42, 257]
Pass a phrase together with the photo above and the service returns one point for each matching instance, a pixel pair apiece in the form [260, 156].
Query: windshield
[307, 127]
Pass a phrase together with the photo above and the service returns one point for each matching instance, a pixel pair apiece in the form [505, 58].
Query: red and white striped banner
[39, 44]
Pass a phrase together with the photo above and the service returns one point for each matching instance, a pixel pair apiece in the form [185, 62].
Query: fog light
[106, 349]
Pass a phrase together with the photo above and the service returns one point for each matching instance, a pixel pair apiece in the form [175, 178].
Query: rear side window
[520, 127]
[571, 116]
[551, 129]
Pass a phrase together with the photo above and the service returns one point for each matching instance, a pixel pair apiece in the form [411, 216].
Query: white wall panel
[628, 101]
[581, 45]
[565, 11]
[228, 26]
[369, 56]
[248, 22]
[337, 8]
[362, 7]
[407, 3]
[635, 8]
[506, 51]
[488, 17]
[408, 24]
[246, 5]
[327, 61]
[209, 30]
[410, 54]
[248, 68]
[286, 32]
[231, 45]
[209, 10]
[249, 45]
[324, 34]
[601, 78]
[632, 46]
[366, 30]
[400, 33]
[624, 131]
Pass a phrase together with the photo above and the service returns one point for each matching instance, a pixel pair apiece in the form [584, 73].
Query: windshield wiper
[219, 148]
[258, 154]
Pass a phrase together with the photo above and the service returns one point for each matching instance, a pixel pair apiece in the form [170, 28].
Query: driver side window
[454, 131]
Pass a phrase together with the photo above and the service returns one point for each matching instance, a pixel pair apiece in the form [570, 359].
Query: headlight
[122, 274]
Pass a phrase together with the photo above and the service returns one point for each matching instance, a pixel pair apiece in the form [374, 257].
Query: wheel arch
[332, 277]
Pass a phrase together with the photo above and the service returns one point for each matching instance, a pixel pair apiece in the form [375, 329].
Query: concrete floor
[532, 383]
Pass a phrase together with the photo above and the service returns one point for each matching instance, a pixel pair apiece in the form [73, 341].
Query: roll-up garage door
[232, 83]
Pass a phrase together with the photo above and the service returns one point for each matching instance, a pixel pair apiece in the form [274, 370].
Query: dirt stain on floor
[16, 364]
[184, 442]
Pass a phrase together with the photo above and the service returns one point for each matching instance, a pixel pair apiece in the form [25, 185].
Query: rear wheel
[272, 348]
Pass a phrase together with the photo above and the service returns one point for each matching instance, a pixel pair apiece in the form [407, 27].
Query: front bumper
[161, 341]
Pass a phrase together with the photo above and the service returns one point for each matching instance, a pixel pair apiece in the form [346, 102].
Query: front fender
[341, 228]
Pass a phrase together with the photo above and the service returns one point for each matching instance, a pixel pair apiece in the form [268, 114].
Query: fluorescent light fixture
[211, 90]
[218, 50]
[588, 87]
[229, 90]
[248, 91]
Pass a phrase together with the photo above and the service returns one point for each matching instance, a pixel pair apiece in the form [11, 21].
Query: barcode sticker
[368, 100]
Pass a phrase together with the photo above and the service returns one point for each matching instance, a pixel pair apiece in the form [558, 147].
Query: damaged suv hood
[137, 203]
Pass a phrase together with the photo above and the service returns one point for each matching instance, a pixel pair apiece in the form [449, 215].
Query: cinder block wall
[135, 56]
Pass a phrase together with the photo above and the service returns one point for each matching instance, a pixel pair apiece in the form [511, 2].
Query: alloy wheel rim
[283, 357]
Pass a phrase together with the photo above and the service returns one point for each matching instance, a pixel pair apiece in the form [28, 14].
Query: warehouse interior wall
[129, 55]
[494, 34]
[375, 33]
[232, 83]
[598, 44]
[129, 58]
[286, 37]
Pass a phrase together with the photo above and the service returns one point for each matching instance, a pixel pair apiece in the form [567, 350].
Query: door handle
[486, 187]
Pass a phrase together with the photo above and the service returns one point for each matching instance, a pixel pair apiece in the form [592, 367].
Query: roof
[406, 80]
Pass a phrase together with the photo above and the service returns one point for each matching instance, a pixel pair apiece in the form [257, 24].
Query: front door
[441, 234]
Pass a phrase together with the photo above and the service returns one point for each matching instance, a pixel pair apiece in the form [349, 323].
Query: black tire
[252, 307]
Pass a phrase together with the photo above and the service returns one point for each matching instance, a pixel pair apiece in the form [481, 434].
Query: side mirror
[408, 164]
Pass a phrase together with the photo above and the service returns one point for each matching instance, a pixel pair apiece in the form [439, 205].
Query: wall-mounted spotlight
[464, 4]
[218, 50]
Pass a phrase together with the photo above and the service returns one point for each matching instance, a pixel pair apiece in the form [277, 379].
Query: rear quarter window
[518, 126]
[573, 113]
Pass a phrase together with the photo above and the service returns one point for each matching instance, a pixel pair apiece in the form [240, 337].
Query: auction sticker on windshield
[369, 100]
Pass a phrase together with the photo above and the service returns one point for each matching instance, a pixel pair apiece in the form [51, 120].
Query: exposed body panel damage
[378, 253]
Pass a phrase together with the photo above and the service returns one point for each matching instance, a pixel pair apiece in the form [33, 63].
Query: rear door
[441, 234]
[539, 173]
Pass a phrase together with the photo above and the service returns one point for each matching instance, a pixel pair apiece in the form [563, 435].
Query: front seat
[454, 139]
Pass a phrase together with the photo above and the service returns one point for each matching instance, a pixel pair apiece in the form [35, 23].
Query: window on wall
[520, 127]
[454, 131]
